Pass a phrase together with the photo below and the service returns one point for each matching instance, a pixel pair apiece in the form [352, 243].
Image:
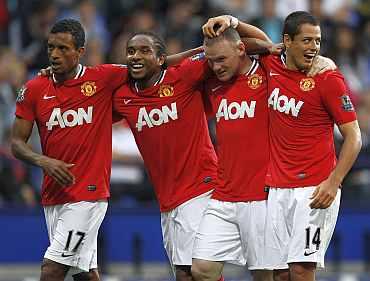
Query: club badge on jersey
[88, 88]
[254, 81]
[307, 84]
[165, 91]
[21, 93]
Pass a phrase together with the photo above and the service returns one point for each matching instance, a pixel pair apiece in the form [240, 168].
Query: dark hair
[72, 27]
[229, 34]
[160, 46]
[293, 22]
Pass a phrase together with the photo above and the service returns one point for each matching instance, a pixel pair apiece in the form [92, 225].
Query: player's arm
[320, 65]
[255, 46]
[326, 191]
[178, 58]
[215, 26]
[57, 169]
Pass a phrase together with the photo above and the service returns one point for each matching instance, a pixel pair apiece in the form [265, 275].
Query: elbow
[14, 148]
[359, 143]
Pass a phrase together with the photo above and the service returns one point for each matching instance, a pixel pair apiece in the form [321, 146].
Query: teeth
[137, 65]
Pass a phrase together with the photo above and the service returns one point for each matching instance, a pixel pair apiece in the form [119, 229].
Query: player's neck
[245, 65]
[60, 78]
[291, 65]
[152, 81]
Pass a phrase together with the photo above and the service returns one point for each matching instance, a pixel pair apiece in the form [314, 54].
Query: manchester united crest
[88, 88]
[254, 81]
[165, 91]
[307, 84]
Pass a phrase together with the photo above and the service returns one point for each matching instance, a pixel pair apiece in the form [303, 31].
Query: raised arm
[57, 169]
[215, 26]
[325, 192]
[177, 58]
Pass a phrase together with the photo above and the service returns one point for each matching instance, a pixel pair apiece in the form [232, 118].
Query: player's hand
[276, 49]
[58, 170]
[45, 71]
[324, 194]
[222, 22]
[320, 65]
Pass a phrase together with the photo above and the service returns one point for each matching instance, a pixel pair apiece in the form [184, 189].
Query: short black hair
[229, 34]
[159, 44]
[293, 22]
[72, 27]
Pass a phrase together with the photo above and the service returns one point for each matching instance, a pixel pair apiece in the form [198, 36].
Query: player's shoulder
[331, 77]
[36, 85]
[38, 82]
[32, 87]
[107, 69]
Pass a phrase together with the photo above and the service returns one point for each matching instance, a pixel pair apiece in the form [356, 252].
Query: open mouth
[136, 67]
[309, 57]
[55, 65]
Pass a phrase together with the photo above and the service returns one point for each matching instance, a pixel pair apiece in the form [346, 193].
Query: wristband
[234, 22]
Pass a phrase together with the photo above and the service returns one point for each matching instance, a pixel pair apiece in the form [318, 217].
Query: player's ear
[81, 51]
[161, 59]
[241, 48]
[287, 41]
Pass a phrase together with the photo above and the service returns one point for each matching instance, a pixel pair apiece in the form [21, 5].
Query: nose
[216, 67]
[54, 54]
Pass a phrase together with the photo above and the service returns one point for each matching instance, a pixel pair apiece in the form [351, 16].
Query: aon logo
[69, 118]
[235, 110]
[156, 117]
[283, 104]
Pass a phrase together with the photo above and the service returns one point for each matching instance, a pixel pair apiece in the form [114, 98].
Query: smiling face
[63, 54]
[302, 49]
[142, 59]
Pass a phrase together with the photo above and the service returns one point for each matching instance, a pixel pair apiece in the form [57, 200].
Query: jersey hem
[164, 209]
[60, 202]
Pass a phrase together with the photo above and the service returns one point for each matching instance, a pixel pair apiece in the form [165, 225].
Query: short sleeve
[194, 69]
[336, 97]
[25, 106]
[117, 74]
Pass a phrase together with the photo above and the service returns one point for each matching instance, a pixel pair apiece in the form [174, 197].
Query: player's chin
[137, 75]
[223, 77]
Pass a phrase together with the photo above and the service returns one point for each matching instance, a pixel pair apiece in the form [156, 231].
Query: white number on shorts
[70, 233]
[316, 238]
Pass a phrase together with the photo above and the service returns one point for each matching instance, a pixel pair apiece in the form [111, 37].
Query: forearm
[177, 58]
[250, 31]
[347, 156]
[257, 47]
[23, 151]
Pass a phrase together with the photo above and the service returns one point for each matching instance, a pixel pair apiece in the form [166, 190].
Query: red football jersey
[74, 120]
[302, 113]
[170, 129]
[241, 113]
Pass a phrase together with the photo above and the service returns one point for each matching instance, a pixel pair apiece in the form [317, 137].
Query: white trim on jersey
[283, 58]
[81, 71]
[253, 67]
[160, 80]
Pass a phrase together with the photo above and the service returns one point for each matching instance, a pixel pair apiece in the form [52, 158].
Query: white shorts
[232, 232]
[73, 231]
[179, 227]
[294, 231]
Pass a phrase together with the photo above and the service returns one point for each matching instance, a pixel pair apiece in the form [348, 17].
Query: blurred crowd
[24, 26]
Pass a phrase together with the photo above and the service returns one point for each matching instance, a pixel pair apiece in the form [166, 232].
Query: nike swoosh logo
[126, 101]
[273, 74]
[65, 255]
[216, 88]
[48, 97]
[309, 254]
